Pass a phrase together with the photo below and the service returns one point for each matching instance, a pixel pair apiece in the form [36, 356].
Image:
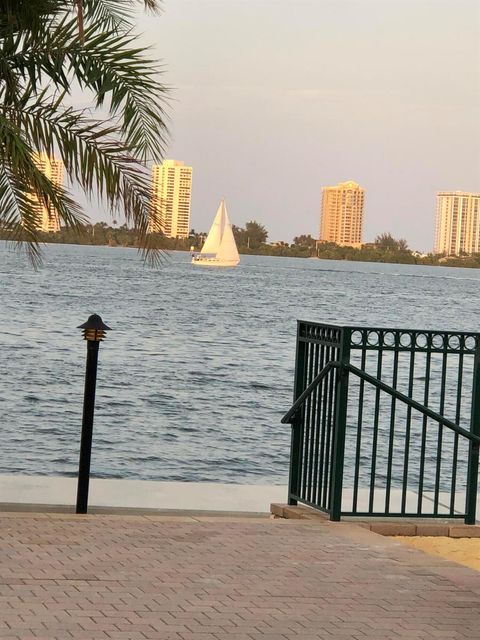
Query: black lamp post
[93, 332]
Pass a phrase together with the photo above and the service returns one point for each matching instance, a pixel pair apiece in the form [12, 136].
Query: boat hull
[213, 262]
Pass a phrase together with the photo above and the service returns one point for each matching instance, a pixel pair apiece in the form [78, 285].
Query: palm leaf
[40, 45]
[93, 157]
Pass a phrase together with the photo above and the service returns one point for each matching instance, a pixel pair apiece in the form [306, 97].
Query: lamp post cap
[94, 322]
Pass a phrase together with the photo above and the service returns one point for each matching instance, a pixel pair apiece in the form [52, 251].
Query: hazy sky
[273, 99]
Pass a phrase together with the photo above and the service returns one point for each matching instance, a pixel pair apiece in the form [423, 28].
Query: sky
[273, 99]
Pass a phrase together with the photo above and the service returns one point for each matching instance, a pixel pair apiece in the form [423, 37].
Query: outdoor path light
[93, 332]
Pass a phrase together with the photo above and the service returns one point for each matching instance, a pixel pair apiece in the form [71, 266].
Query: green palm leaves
[48, 48]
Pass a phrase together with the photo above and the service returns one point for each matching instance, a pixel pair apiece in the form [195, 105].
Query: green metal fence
[385, 422]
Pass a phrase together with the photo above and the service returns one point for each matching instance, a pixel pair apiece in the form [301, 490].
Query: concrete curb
[407, 527]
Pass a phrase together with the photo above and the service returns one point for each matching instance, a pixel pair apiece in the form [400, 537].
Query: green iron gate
[385, 422]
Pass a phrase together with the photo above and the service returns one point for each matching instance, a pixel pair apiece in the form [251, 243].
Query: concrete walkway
[20, 492]
[66, 577]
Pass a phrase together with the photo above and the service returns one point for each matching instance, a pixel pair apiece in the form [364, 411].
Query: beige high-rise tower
[458, 223]
[171, 198]
[47, 217]
[342, 214]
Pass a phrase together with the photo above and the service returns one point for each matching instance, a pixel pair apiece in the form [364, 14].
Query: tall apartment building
[458, 223]
[47, 217]
[171, 193]
[342, 214]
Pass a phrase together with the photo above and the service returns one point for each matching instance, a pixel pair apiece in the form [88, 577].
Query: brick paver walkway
[132, 578]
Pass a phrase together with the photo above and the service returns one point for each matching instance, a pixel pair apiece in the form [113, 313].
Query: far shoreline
[454, 262]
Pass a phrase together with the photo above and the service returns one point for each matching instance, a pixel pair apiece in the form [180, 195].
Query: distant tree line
[252, 239]
[386, 248]
[102, 234]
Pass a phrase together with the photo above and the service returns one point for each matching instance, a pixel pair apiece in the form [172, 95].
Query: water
[198, 369]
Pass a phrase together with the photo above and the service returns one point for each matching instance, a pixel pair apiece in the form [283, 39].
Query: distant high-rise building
[47, 217]
[342, 214]
[458, 223]
[171, 193]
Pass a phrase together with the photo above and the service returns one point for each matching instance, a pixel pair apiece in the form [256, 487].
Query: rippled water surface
[198, 369]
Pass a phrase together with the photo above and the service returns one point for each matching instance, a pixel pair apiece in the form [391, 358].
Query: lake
[198, 368]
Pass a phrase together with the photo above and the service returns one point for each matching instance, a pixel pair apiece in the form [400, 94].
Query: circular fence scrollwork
[421, 340]
[389, 339]
[374, 338]
[438, 341]
[357, 338]
[471, 343]
[406, 339]
[454, 342]
[397, 339]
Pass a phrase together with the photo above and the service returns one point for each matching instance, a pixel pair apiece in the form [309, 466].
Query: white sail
[227, 252]
[214, 238]
[220, 248]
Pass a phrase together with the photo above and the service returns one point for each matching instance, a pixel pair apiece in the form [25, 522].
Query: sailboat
[220, 248]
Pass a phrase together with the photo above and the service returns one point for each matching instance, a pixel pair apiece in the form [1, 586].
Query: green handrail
[414, 404]
[287, 418]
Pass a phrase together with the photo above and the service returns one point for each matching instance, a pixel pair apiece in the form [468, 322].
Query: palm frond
[93, 157]
[113, 14]
[41, 46]
[111, 68]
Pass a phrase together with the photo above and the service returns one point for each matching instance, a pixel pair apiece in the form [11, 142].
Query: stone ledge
[464, 531]
[297, 512]
[393, 528]
[433, 529]
[382, 527]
